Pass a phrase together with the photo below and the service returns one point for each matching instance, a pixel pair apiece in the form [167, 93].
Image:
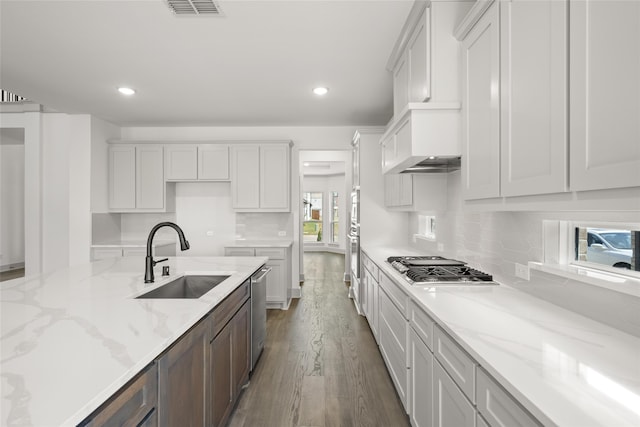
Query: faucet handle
[159, 261]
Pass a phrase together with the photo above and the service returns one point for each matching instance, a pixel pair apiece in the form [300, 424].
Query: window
[608, 247]
[335, 225]
[426, 227]
[312, 223]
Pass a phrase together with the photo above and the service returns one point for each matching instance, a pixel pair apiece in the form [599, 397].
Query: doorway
[324, 194]
[12, 211]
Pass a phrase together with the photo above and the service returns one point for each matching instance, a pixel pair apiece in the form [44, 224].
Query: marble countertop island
[72, 338]
[566, 369]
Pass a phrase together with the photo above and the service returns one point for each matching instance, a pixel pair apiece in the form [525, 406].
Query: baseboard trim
[14, 266]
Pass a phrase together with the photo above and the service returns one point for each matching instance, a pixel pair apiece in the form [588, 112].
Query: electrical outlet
[522, 271]
[440, 247]
[209, 233]
[282, 233]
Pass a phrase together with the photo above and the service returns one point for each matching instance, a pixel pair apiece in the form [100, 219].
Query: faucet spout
[149, 262]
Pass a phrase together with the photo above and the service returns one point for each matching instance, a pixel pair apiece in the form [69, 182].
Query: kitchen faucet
[149, 262]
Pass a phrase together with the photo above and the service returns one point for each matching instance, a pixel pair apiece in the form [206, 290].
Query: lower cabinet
[135, 404]
[420, 381]
[229, 364]
[182, 385]
[197, 381]
[450, 407]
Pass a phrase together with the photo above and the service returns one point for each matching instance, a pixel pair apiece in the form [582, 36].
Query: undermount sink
[185, 287]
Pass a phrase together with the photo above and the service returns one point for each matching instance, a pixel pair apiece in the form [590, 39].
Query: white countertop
[259, 244]
[72, 338]
[132, 243]
[566, 369]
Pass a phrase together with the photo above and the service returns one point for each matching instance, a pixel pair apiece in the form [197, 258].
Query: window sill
[602, 279]
[423, 237]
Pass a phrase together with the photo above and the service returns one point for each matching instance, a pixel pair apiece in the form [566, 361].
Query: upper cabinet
[202, 162]
[481, 121]
[136, 178]
[605, 94]
[550, 97]
[260, 177]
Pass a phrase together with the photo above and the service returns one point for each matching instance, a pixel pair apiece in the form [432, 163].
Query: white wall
[12, 243]
[495, 241]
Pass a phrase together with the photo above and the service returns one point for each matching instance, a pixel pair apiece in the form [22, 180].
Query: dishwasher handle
[258, 276]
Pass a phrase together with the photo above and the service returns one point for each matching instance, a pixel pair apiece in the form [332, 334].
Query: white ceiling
[254, 66]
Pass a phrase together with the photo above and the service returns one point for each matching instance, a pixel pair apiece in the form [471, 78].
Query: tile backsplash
[496, 241]
[260, 226]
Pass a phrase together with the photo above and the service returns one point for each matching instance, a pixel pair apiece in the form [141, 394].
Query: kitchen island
[563, 368]
[72, 338]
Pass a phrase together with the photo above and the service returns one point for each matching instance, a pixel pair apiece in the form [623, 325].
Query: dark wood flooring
[11, 274]
[321, 365]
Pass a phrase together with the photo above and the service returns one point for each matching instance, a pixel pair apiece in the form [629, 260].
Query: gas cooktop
[429, 270]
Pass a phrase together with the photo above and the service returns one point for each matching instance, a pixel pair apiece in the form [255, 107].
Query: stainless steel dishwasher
[258, 313]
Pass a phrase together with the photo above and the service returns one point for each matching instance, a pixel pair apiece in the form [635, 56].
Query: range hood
[424, 139]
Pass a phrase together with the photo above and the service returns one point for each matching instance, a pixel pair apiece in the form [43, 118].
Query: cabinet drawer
[422, 324]
[498, 407]
[134, 252]
[134, 404]
[271, 253]
[227, 308]
[399, 298]
[456, 362]
[239, 252]
[371, 266]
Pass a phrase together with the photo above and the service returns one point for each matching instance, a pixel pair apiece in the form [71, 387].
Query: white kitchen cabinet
[136, 178]
[278, 279]
[416, 192]
[370, 287]
[481, 113]
[421, 382]
[458, 364]
[418, 51]
[533, 103]
[604, 45]
[99, 252]
[498, 407]
[450, 407]
[181, 162]
[213, 162]
[400, 85]
[393, 336]
[260, 177]
[122, 177]
[190, 162]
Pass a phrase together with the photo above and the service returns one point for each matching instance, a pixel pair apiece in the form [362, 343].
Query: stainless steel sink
[185, 287]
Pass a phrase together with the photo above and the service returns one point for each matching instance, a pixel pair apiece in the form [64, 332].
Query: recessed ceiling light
[126, 91]
[306, 163]
[320, 90]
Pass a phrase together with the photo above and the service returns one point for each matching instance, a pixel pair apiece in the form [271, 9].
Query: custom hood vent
[194, 7]
[443, 164]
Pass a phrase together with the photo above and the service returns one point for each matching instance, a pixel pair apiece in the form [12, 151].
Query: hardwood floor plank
[321, 365]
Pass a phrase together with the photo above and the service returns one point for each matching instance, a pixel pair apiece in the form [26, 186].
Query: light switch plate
[522, 271]
[282, 233]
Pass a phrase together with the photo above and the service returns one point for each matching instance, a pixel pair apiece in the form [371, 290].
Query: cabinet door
[241, 354]
[181, 380]
[276, 286]
[421, 360]
[604, 87]
[400, 86]
[245, 176]
[239, 252]
[181, 162]
[106, 253]
[213, 162]
[534, 111]
[406, 190]
[481, 120]
[149, 177]
[419, 60]
[450, 407]
[222, 393]
[122, 177]
[393, 342]
[274, 177]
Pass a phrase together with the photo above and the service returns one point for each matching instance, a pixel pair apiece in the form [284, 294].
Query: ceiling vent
[194, 7]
